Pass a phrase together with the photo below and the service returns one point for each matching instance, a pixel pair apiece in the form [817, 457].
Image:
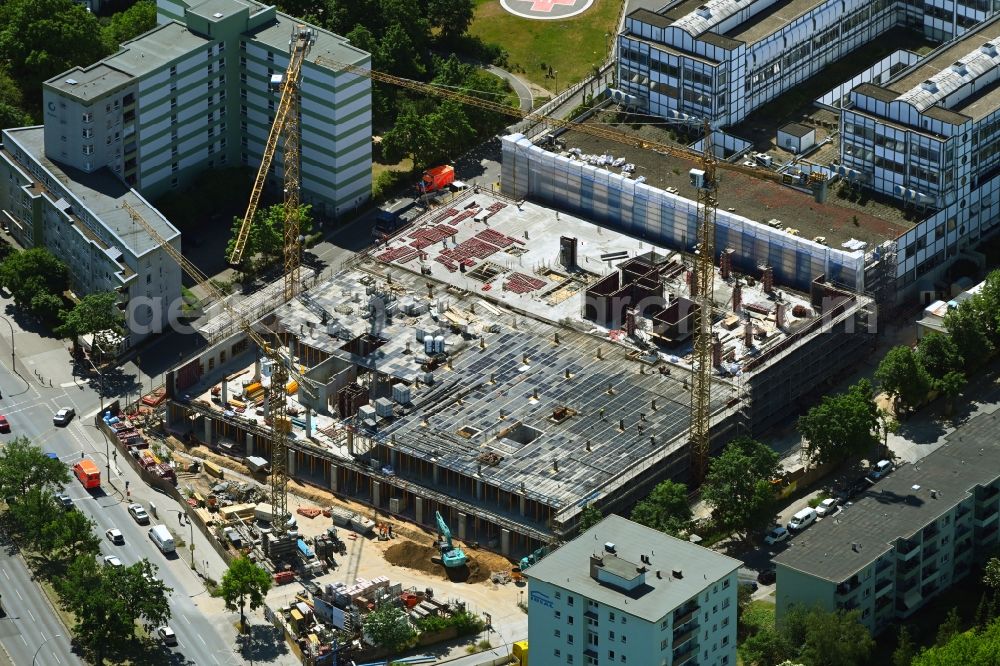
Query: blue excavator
[451, 555]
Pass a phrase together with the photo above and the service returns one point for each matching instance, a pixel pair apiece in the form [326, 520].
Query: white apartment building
[722, 59]
[621, 593]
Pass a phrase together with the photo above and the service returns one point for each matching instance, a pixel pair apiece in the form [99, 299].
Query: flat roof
[101, 192]
[795, 129]
[900, 505]
[569, 567]
[136, 58]
[772, 19]
[327, 45]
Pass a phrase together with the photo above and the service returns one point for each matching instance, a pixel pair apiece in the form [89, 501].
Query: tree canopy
[842, 425]
[128, 24]
[266, 242]
[939, 355]
[971, 648]
[589, 517]
[244, 584]
[665, 509]
[109, 601]
[23, 466]
[738, 486]
[92, 314]
[388, 627]
[901, 375]
[36, 279]
[42, 38]
[812, 637]
[968, 329]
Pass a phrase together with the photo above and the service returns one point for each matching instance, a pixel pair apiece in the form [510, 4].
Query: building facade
[603, 599]
[79, 218]
[723, 59]
[910, 537]
[194, 94]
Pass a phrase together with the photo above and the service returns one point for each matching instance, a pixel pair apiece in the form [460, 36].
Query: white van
[161, 536]
[802, 520]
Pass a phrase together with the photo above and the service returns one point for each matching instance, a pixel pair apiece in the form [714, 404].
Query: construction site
[506, 364]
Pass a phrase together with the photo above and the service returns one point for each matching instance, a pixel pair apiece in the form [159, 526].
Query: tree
[34, 278]
[665, 509]
[970, 334]
[950, 386]
[397, 54]
[388, 627]
[30, 513]
[971, 648]
[109, 601]
[938, 354]
[94, 313]
[266, 241]
[842, 425]
[949, 628]
[766, 647]
[42, 38]
[134, 21]
[905, 650]
[71, 533]
[11, 116]
[991, 574]
[738, 486]
[589, 517]
[901, 376]
[24, 466]
[825, 638]
[244, 584]
[451, 17]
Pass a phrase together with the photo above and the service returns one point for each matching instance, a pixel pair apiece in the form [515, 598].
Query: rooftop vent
[704, 11]
[677, 573]
[959, 68]
[217, 14]
[609, 547]
[929, 86]
[72, 82]
[989, 48]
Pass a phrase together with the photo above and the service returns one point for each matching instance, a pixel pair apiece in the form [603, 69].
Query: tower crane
[707, 185]
[280, 373]
[287, 120]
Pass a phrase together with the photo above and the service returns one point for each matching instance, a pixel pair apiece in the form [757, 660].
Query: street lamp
[180, 519]
[12, 362]
[43, 645]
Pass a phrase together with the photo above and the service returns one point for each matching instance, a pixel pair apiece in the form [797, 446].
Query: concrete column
[504, 542]
[208, 430]
[523, 501]
[392, 458]
[291, 463]
[267, 403]
[479, 488]
[333, 477]
[350, 442]
[461, 526]
[418, 503]
[256, 370]
[250, 444]
[435, 474]
[376, 493]
[309, 422]
[225, 391]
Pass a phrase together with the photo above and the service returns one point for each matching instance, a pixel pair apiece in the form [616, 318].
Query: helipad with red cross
[546, 10]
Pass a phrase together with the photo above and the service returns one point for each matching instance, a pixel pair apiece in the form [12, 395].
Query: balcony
[928, 589]
[930, 572]
[686, 635]
[883, 585]
[907, 568]
[849, 586]
[963, 510]
[685, 613]
[962, 530]
[884, 565]
[883, 602]
[931, 531]
[930, 552]
[685, 654]
[907, 550]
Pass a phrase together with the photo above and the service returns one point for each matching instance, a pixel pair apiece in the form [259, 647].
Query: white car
[113, 561]
[115, 536]
[777, 535]
[827, 507]
[167, 635]
[63, 416]
[138, 513]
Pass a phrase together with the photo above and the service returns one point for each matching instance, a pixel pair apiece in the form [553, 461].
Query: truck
[88, 473]
[436, 178]
[394, 217]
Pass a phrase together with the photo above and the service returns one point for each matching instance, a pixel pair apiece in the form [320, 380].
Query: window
[558, 595]
[557, 633]
[88, 149]
[173, 71]
[569, 599]
[149, 278]
[725, 640]
[663, 644]
[592, 604]
[558, 614]
[611, 654]
[174, 167]
[569, 619]
[611, 616]
[725, 584]
[556, 653]
[611, 635]
[173, 184]
[569, 638]
[88, 117]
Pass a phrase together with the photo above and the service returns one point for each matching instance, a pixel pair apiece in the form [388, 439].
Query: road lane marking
[186, 619]
[18, 593]
[32, 618]
[58, 660]
[202, 640]
[24, 641]
[68, 385]
[5, 574]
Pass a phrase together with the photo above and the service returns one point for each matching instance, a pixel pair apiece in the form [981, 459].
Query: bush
[465, 623]
[386, 182]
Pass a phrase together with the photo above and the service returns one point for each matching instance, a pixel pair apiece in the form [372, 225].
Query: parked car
[167, 635]
[880, 470]
[113, 561]
[63, 416]
[65, 501]
[802, 520]
[827, 507]
[767, 577]
[138, 513]
[854, 488]
[115, 536]
[4, 424]
[777, 535]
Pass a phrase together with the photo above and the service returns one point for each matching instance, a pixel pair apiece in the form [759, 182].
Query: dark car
[767, 577]
[65, 501]
[854, 488]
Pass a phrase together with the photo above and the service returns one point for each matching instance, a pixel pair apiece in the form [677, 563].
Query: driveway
[527, 100]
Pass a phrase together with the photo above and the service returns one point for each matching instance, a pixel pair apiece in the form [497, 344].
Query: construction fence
[623, 204]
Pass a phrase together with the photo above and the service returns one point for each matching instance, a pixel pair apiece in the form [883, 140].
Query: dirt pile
[421, 558]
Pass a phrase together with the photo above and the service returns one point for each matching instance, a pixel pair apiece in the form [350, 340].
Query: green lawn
[572, 47]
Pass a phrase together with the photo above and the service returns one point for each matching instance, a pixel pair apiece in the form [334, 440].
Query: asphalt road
[205, 638]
